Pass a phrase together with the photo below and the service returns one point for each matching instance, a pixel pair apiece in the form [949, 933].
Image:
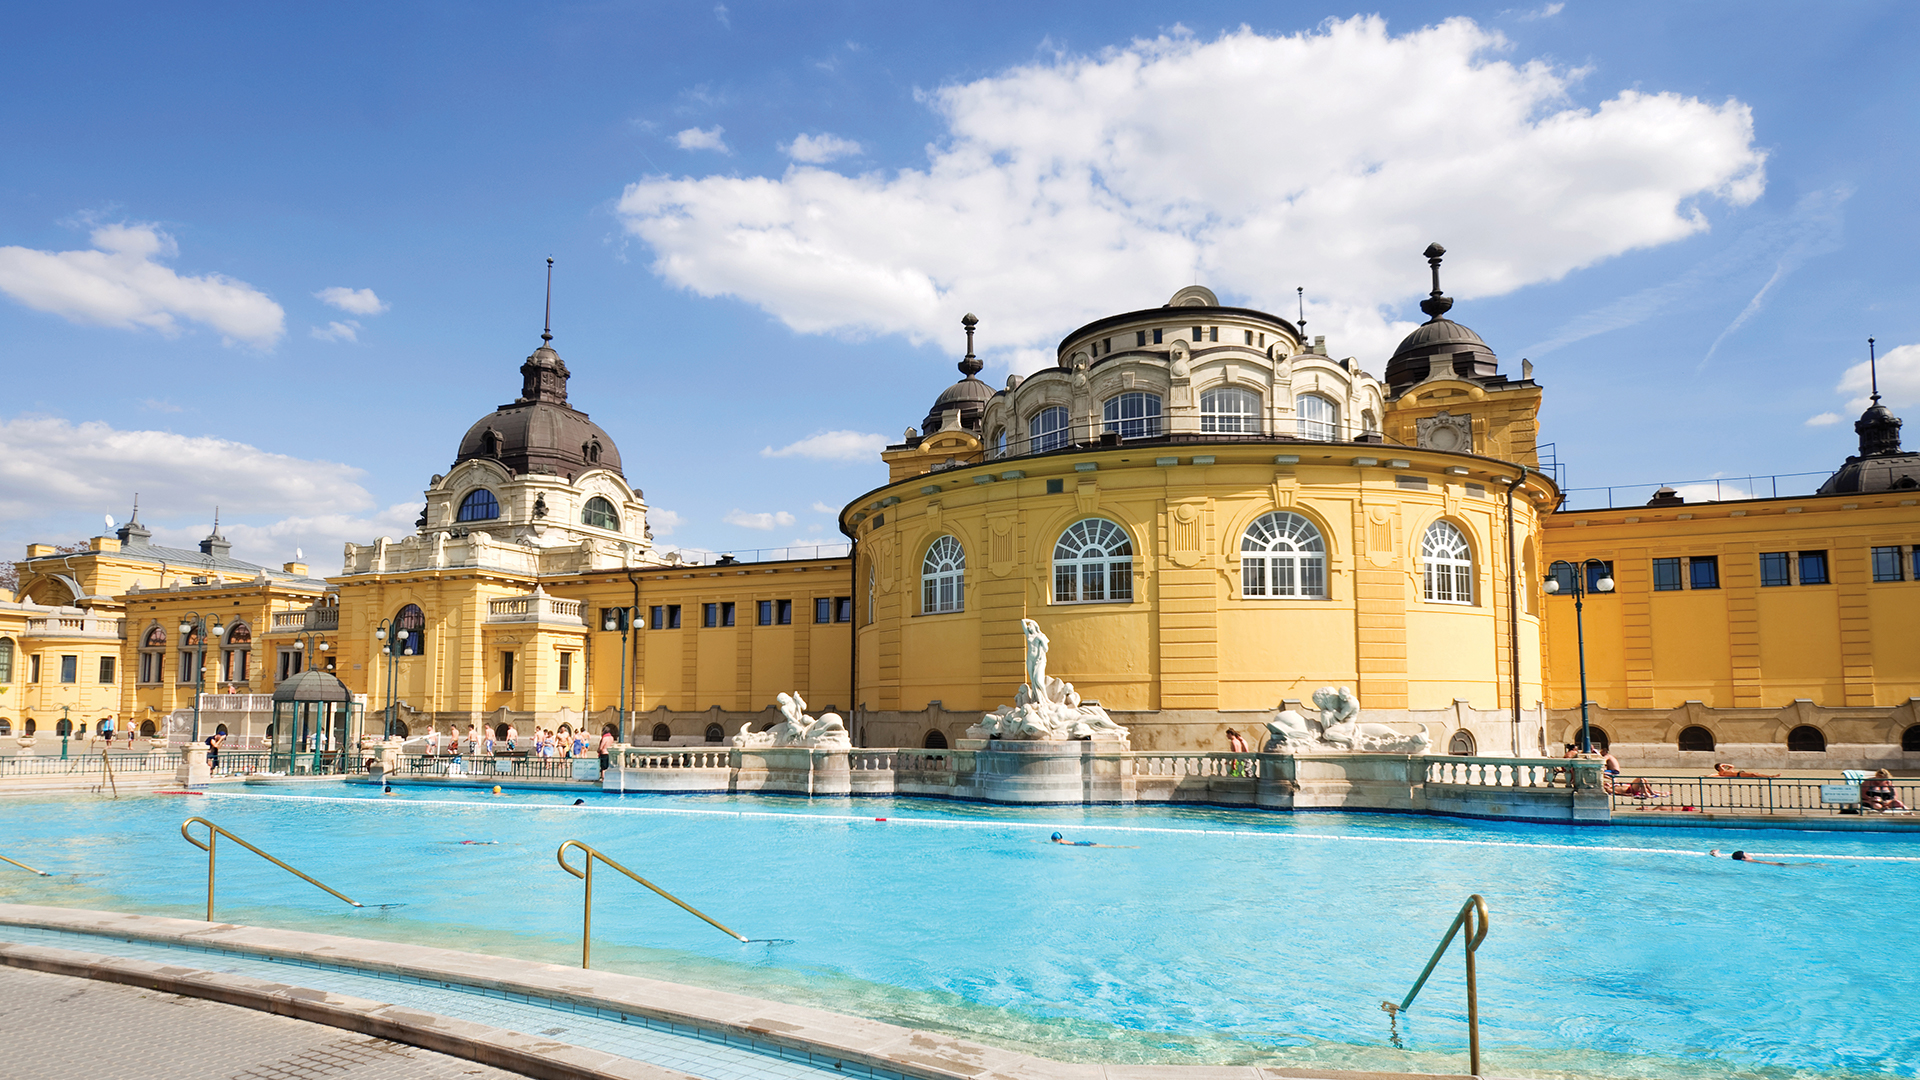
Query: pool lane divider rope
[1084, 826]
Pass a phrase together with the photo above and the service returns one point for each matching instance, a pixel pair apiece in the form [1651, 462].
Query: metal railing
[586, 911]
[88, 764]
[1711, 489]
[24, 866]
[1787, 796]
[215, 832]
[1473, 916]
[693, 556]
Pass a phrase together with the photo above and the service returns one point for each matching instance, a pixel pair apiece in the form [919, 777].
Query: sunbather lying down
[1877, 793]
[1726, 770]
[1636, 788]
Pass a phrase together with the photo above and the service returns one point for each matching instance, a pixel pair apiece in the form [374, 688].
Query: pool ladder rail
[215, 832]
[24, 866]
[1473, 916]
[586, 915]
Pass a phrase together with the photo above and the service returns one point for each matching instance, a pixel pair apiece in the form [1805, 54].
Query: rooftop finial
[216, 520]
[970, 365]
[546, 328]
[1300, 293]
[1436, 304]
[1873, 371]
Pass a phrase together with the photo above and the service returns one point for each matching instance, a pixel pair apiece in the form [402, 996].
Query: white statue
[1045, 707]
[1338, 708]
[1290, 731]
[796, 728]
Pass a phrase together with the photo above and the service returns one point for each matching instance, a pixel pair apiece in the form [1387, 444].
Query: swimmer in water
[1741, 856]
[386, 789]
[496, 789]
[1058, 839]
[579, 802]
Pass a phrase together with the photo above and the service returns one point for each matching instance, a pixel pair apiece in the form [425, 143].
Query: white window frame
[1446, 565]
[1093, 564]
[1311, 423]
[1283, 555]
[1242, 418]
[612, 511]
[1134, 414]
[1043, 436]
[943, 577]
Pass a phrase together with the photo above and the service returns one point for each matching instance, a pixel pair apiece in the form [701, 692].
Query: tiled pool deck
[535, 1019]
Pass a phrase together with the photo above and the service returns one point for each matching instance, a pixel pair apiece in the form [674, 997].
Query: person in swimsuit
[1876, 793]
[1741, 856]
[1725, 770]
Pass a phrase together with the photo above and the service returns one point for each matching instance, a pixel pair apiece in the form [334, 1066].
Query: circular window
[1696, 738]
[1804, 739]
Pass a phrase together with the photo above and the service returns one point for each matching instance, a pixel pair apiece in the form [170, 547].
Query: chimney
[104, 543]
[298, 569]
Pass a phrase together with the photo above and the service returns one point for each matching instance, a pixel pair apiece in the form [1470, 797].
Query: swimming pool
[1197, 937]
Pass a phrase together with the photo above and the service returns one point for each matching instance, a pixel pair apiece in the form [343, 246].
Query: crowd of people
[546, 744]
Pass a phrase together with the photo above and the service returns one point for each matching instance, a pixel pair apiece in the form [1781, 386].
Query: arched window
[998, 443]
[399, 728]
[236, 651]
[715, 733]
[943, 577]
[6, 726]
[1282, 554]
[1047, 430]
[1696, 738]
[935, 740]
[1134, 415]
[153, 653]
[31, 726]
[1316, 417]
[1461, 745]
[479, 505]
[1447, 565]
[63, 727]
[6, 660]
[1804, 739]
[662, 733]
[599, 513]
[1599, 735]
[1093, 563]
[1230, 411]
[1910, 739]
[591, 451]
[148, 730]
[410, 630]
[490, 443]
[156, 638]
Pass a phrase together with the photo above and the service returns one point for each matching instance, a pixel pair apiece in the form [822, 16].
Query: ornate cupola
[1881, 465]
[969, 396]
[134, 534]
[1440, 345]
[216, 545]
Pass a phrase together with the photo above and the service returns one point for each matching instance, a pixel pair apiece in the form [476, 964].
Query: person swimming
[386, 789]
[579, 802]
[1058, 839]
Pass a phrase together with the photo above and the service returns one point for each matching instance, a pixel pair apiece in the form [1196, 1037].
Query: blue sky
[278, 261]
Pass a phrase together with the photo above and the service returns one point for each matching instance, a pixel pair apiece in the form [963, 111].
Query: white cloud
[352, 301]
[823, 508]
[777, 519]
[820, 149]
[702, 139]
[663, 522]
[1547, 12]
[1823, 419]
[720, 13]
[322, 536]
[1899, 380]
[339, 331]
[121, 283]
[1072, 189]
[832, 446]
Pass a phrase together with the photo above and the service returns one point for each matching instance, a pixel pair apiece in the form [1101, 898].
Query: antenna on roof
[1300, 292]
[1873, 371]
[546, 328]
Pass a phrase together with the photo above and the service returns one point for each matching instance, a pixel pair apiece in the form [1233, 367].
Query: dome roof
[540, 432]
[969, 395]
[1438, 332]
[312, 685]
[1443, 342]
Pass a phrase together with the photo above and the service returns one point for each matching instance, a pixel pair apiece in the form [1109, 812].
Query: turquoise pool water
[1198, 937]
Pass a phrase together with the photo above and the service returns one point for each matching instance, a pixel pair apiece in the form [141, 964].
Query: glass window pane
[1886, 564]
[1666, 575]
[1775, 568]
[1704, 571]
[1813, 568]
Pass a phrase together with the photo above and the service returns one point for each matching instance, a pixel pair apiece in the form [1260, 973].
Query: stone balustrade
[536, 607]
[86, 625]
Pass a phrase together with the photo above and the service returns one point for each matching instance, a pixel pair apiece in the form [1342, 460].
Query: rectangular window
[1596, 570]
[1106, 346]
[613, 618]
[1666, 575]
[291, 664]
[766, 613]
[1813, 568]
[784, 611]
[726, 613]
[187, 662]
[1775, 568]
[673, 616]
[657, 617]
[566, 672]
[1916, 562]
[1704, 572]
[506, 672]
[1249, 337]
[1199, 334]
[823, 609]
[236, 664]
[33, 668]
[1156, 337]
[843, 609]
[1886, 564]
[1140, 339]
[106, 669]
[1213, 333]
[709, 614]
[69, 669]
[1055, 487]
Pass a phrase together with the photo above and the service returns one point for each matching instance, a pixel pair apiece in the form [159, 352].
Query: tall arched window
[1282, 554]
[1093, 563]
[153, 651]
[600, 514]
[871, 579]
[1230, 411]
[943, 577]
[1447, 564]
[1134, 415]
[410, 630]
[479, 505]
[1047, 430]
[1316, 417]
[6, 660]
[235, 652]
[998, 443]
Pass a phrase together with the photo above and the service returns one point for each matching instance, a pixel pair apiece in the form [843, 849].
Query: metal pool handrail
[214, 832]
[586, 915]
[1473, 915]
[24, 866]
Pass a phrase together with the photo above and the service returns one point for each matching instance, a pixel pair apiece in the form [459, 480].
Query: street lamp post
[310, 656]
[623, 617]
[189, 623]
[392, 642]
[1603, 583]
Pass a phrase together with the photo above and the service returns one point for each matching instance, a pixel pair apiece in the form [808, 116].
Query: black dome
[541, 433]
[1441, 341]
[969, 395]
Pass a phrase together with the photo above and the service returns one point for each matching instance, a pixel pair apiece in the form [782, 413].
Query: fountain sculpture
[1291, 733]
[796, 728]
[1045, 708]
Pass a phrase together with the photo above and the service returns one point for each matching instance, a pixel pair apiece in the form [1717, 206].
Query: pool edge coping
[800, 1029]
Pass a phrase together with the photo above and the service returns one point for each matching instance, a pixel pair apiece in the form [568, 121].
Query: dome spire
[1436, 304]
[1878, 428]
[546, 327]
[1873, 370]
[970, 365]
